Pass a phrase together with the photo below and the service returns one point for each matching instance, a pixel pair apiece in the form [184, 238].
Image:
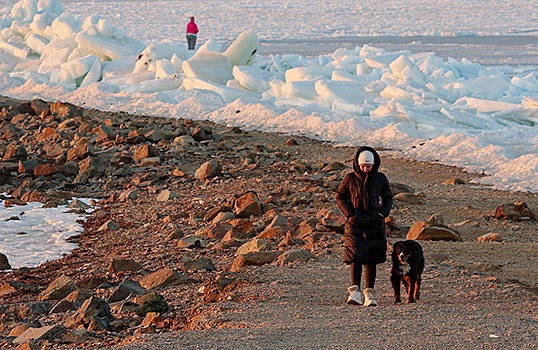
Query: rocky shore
[205, 236]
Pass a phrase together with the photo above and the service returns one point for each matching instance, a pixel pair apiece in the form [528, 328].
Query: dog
[407, 268]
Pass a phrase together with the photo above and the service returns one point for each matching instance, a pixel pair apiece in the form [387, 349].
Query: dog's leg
[395, 280]
[410, 286]
[417, 288]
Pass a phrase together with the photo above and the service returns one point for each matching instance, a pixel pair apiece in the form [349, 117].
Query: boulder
[241, 229]
[199, 265]
[66, 110]
[334, 166]
[490, 237]
[300, 255]
[92, 307]
[109, 226]
[124, 290]
[63, 306]
[166, 195]
[92, 166]
[5, 176]
[78, 297]
[145, 151]
[255, 245]
[254, 258]
[58, 289]
[248, 205]
[454, 181]
[117, 265]
[41, 333]
[514, 211]
[164, 278]
[406, 197]
[223, 216]
[428, 232]
[46, 134]
[14, 152]
[191, 241]
[81, 149]
[27, 166]
[217, 231]
[4, 263]
[276, 228]
[304, 229]
[207, 170]
[46, 169]
[397, 188]
[39, 107]
[151, 319]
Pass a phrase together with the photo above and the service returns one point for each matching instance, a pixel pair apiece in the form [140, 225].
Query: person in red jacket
[192, 31]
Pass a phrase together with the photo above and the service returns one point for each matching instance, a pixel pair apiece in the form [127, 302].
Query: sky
[478, 115]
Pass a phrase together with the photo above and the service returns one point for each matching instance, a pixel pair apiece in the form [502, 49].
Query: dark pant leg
[191, 41]
[369, 275]
[356, 272]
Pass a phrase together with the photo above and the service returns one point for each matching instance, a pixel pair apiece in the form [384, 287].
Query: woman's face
[366, 168]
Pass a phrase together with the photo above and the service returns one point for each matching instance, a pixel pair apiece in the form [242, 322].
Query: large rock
[490, 237]
[90, 309]
[166, 195]
[296, 255]
[46, 169]
[208, 170]
[14, 152]
[397, 188]
[117, 265]
[255, 245]
[5, 176]
[28, 166]
[39, 107]
[18, 312]
[304, 229]
[241, 229]
[332, 219]
[145, 151]
[91, 167]
[192, 241]
[82, 148]
[276, 228]
[217, 230]
[42, 333]
[254, 258]
[58, 289]
[514, 211]
[8, 287]
[164, 278]
[66, 110]
[4, 263]
[427, 232]
[407, 198]
[125, 289]
[199, 264]
[248, 205]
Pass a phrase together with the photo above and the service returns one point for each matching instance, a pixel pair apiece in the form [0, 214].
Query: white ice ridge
[452, 111]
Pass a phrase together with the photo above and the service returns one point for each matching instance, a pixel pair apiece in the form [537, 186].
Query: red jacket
[192, 28]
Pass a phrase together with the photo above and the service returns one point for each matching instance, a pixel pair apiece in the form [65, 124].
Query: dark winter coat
[366, 200]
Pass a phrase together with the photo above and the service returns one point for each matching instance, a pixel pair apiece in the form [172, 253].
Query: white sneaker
[369, 299]
[355, 295]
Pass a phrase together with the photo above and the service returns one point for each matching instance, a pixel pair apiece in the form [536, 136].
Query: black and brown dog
[407, 268]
